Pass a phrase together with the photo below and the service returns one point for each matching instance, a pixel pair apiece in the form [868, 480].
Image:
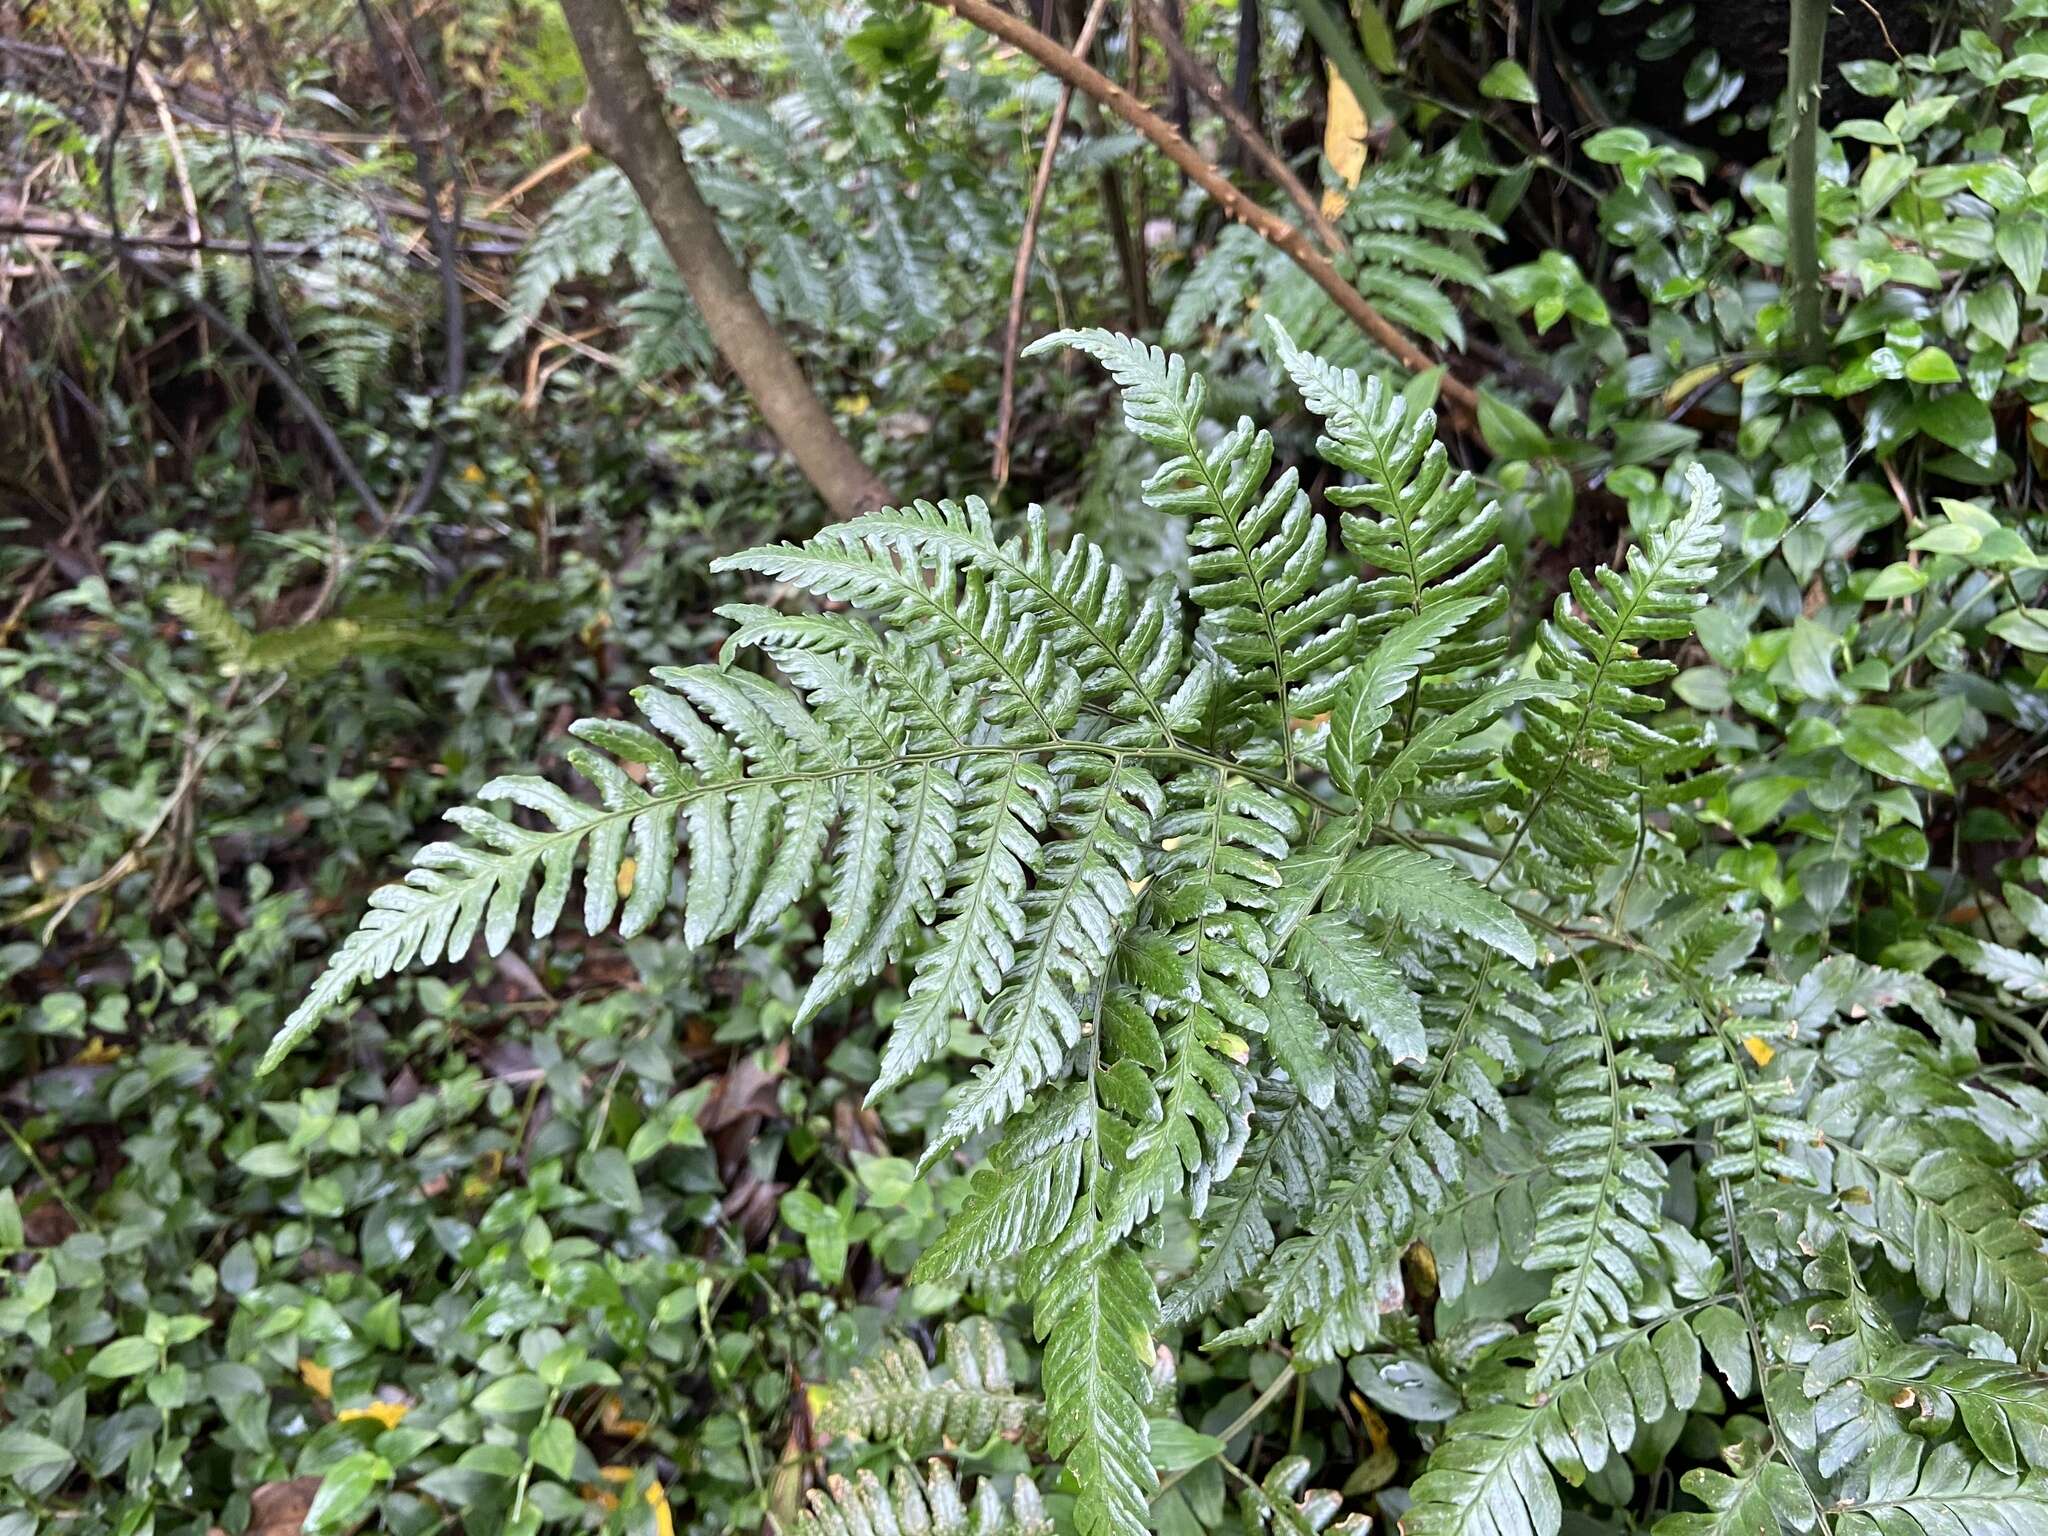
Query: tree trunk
[624, 121]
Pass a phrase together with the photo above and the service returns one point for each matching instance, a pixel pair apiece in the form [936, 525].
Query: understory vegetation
[1256, 767]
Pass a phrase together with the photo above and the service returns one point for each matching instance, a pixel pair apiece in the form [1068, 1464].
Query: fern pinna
[1292, 909]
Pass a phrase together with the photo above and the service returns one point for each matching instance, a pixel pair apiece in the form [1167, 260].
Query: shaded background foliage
[613, 1187]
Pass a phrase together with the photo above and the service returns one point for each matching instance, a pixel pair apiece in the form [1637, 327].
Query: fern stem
[1738, 1272]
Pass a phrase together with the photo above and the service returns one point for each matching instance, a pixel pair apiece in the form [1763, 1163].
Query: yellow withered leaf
[1759, 1050]
[1344, 136]
[318, 1377]
[1421, 1267]
[1689, 381]
[657, 1498]
[387, 1414]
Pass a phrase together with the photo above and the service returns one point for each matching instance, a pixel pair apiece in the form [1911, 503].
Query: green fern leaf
[935, 1507]
[1945, 1492]
[1350, 976]
[970, 1400]
[1764, 1495]
[1096, 1311]
[1575, 759]
[1488, 1478]
[1596, 1227]
[1949, 1221]
[1067, 929]
[1422, 525]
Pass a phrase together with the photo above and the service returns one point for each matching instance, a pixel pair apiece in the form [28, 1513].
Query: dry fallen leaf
[611, 1418]
[280, 1509]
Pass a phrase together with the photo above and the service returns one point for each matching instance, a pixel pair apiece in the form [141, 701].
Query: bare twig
[1027, 245]
[534, 178]
[447, 237]
[259, 264]
[1241, 127]
[1268, 225]
[83, 232]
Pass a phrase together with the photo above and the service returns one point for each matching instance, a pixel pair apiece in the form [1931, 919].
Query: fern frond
[973, 621]
[1222, 843]
[935, 1507]
[1258, 551]
[1951, 1223]
[1406, 1159]
[1005, 806]
[1632, 1383]
[1410, 886]
[968, 1400]
[1294, 1144]
[1126, 648]
[1422, 525]
[1278, 1503]
[1022, 1195]
[1596, 1227]
[1945, 1492]
[1069, 921]
[1096, 1310]
[2001, 1409]
[304, 650]
[214, 623]
[1764, 1494]
[1492, 1219]
[1488, 1478]
[1580, 761]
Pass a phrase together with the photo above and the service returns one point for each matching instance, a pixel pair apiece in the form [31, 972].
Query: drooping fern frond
[304, 650]
[969, 1399]
[1406, 1156]
[1298, 1131]
[935, 1507]
[1096, 1310]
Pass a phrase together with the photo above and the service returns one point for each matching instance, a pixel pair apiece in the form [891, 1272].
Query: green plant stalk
[1802, 157]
